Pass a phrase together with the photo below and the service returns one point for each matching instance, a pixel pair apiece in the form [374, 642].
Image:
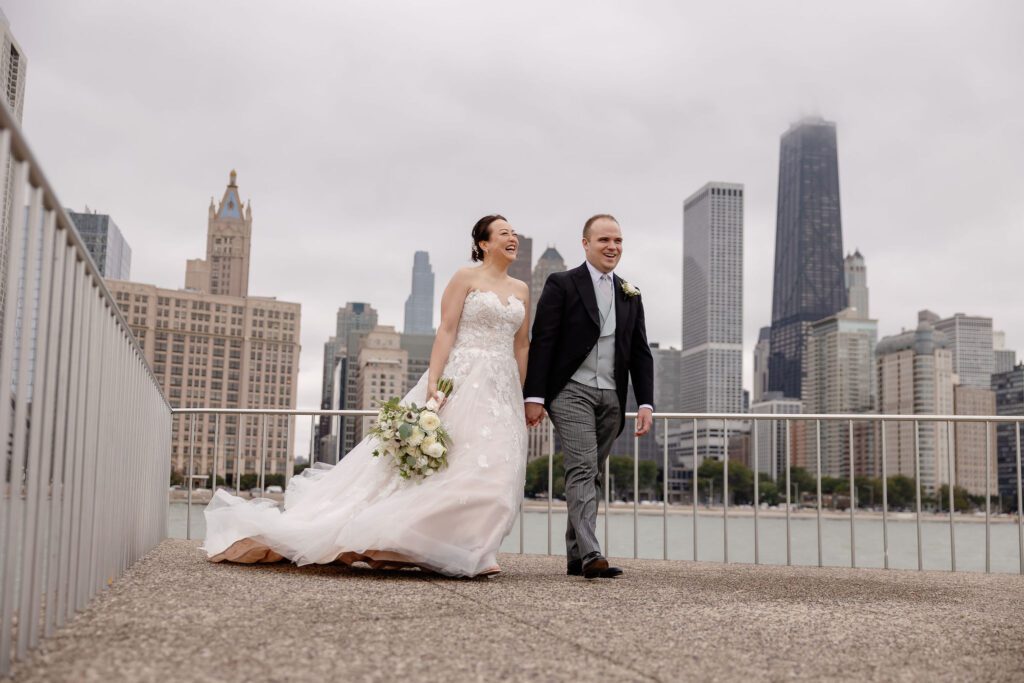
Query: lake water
[970, 538]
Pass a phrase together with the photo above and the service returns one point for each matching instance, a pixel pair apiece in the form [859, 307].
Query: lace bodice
[487, 328]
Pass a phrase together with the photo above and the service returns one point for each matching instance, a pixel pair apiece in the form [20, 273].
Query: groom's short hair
[594, 219]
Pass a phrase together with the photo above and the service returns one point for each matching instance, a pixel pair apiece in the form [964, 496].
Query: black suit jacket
[567, 326]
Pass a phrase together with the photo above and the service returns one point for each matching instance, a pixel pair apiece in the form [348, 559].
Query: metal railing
[696, 420]
[85, 425]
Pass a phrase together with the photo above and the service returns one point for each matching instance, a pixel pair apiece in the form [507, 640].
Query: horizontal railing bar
[843, 417]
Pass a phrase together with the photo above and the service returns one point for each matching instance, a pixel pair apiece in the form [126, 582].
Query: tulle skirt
[361, 511]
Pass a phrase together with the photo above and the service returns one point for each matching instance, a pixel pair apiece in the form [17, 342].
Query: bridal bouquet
[413, 436]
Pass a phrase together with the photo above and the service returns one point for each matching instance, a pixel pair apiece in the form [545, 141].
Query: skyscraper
[809, 278]
[1009, 390]
[1005, 359]
[839, 377]
[915, 377]
[549, 262]
[971, 440]
[13, 65]
[105, 244]
[522, 267]
[340, 372]
[712, 364]
[211, 350]
[419, 307]
[970, 338]
[762, 351]
[856, 277]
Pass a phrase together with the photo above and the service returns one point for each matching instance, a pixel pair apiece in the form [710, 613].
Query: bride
[453, 522]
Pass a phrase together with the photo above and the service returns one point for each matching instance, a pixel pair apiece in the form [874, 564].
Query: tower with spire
[225, 270]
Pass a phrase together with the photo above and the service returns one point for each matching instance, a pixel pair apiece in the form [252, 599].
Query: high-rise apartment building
[1005, 359]
[522, 267]
[13, 66]
[419, 307]
[915, 377]
[839, 377]
[338, 389]
[809, 277]
[418, 348]
[855, 274]
[549, 262]
[971, 442]
[712, 364]
[970, 340]
[1009, 390]
[214, 350]
[105, 244]
[771, 434]
[762, 351]
[382, 372]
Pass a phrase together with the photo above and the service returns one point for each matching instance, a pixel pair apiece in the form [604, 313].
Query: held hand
[534, 414]
[644, 420]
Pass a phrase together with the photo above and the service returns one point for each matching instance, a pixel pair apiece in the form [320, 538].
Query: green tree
[961, 501]
[537, 476]
[768, 491]
[621, 468]
[741, 479]
[177, 478]
[901, 492]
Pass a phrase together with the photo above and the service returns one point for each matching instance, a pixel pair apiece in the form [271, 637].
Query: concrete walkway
[175, 617]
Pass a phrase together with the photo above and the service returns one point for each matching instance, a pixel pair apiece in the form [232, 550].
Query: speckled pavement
[175, 617]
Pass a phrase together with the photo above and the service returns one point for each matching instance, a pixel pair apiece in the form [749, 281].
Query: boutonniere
[629, 290]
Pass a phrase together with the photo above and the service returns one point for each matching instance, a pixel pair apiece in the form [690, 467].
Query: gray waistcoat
[598, 370]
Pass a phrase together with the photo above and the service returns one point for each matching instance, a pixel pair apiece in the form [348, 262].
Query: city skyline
[909, 178]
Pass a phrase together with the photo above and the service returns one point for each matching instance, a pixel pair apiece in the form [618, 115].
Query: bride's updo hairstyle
[482, 233]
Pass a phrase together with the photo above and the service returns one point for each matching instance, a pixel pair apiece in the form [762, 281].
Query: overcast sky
[363, 131]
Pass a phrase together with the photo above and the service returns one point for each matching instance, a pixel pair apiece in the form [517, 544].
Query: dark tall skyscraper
[809, 279]
[419, 307]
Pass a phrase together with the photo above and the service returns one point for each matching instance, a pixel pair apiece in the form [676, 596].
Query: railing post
[607, 502]
[312, 438]
[240, 422]
[988, 497]
[216, 450]
[1020, 502]
[917, 491]
[725, 491]
[636, 488]
[693, 485]
[787, 456]
[951, 478]
[263, 456]
[885, 501]
[853, 502]
[817, 473]
[664, 492]
[757, 491]
[191, 465]
[550, 426]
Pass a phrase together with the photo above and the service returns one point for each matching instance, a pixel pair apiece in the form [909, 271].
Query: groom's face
[603, 245]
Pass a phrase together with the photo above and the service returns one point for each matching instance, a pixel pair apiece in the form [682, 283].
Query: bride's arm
[522, 340]
[451, 311]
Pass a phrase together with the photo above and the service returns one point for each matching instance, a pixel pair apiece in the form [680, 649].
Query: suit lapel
[585, 286]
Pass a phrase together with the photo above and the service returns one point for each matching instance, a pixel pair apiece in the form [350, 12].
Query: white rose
[435, 450]
[428, 442]
[432, 404]
[417, 436]
[429, 420]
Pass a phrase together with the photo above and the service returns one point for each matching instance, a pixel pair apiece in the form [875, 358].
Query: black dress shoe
[611, 573]
[594, 567]
[574, 568]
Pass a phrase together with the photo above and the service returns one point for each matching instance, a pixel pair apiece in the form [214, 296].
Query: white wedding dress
[361, 511]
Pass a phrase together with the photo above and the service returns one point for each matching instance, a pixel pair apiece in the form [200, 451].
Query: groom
[588, 339]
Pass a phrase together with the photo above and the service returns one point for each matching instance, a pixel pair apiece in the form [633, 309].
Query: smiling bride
[453, 522]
